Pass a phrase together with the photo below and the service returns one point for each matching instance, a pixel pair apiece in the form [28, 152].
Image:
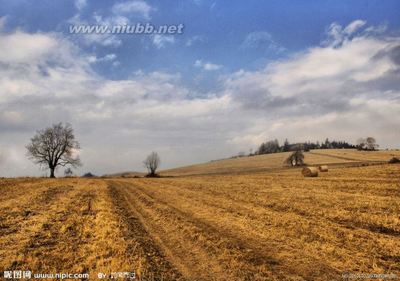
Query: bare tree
[367, 144]
[371, 143]
[296, 158]
[152, 163]
[68, 172]
[361, 143]
[54, 146]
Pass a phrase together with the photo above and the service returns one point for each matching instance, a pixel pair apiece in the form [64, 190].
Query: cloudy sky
[241, 72]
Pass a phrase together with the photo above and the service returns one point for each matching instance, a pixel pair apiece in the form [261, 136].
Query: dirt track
[175, 231]
[140, 242]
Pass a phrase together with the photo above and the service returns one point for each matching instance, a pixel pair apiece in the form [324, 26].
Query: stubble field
[271, 225]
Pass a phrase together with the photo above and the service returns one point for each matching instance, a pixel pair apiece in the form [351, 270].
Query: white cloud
[193, 40]
[161, 41]
[23, 47]
[116, 63]
[104, 39]
[380, 29]
[207, 65]
[121, 14]
[106, 58]
[337, 35]
[58, 84]
[136, 6]
[80, 4]
[354, 26]
[344, 91]
[107, 40]
[33, 63]
[261, 40]
[109, 57]
[316, 93]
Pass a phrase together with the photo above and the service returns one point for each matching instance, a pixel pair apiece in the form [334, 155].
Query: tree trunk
[52, 173]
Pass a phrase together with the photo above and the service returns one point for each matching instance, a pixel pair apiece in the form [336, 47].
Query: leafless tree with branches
[152, 162]
[54, 146]
[68, 172]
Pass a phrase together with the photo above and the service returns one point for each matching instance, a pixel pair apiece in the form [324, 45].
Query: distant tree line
[273, 146]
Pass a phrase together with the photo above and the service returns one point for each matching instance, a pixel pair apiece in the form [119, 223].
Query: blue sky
[241, 72]
[220, 27]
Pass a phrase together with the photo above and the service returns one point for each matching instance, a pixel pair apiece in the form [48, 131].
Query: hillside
[125, 174]
[274, 162]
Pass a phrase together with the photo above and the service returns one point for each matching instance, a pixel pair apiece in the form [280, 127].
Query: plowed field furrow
[312, 205]
[251, 224]
[253, 253]
[176, 246]
[155, 265]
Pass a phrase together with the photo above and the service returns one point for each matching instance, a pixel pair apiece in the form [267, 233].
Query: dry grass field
[240, 219]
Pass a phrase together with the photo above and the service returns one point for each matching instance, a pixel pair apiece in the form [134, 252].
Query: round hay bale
[323, 168]
[310, 172]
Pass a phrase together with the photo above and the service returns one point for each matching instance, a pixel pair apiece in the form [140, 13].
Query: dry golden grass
[355, 155]
[277, 226]
[252, 225]
[63, 225]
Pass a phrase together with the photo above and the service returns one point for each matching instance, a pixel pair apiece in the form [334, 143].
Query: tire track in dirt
[194, 263]
[251, 249]
[157, 266]
[251, 256]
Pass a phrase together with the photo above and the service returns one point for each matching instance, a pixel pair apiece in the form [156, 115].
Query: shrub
[394, 160]
[295, 159]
